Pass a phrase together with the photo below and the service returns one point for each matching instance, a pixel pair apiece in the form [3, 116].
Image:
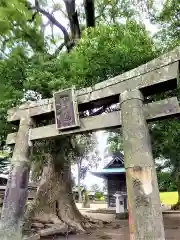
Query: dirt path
[118, 229]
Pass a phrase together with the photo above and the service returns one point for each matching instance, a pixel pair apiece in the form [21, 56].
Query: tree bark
[178, 189]
[73, 20]
[89, 12]
[54, 195]
[177, 205]
[79, 181]
[54, 21]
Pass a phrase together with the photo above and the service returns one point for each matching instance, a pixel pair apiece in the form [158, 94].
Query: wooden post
[17, 185]
[143, 193]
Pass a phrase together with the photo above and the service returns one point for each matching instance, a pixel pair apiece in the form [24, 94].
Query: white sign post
[119, 202]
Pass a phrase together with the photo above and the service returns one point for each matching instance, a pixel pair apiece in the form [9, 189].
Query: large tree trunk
[54, 195]
[177, 205]
[79, 181]
[73, 20]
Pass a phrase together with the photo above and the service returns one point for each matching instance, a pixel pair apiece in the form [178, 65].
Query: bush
[98, 195]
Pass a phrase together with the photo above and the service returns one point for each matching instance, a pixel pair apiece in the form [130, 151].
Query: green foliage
[98, 195]
[17, 27]
[169, 20]
[165, 144]
[12, 77]
[170, 17]
[83, 144]
[116, 10]
[165, 133]
[86, 155]
[166, 182]
[165, 138]
[115, 141]
[76, 148]
[103, 52]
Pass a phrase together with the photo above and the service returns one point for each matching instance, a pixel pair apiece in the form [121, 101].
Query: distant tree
[104, 185]
[115, 141]
[166, 182]
[86, 156]
[168, 20]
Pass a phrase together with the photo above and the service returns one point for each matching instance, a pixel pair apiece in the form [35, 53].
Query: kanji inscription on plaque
[66, 110]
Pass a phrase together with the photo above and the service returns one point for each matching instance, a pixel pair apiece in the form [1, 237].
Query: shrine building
[114, 173]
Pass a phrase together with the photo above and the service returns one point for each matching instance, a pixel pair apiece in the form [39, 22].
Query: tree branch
[73, 19]
[53, 20]
[43, 26]
[33, 17]
[57, 51]
[90, 13]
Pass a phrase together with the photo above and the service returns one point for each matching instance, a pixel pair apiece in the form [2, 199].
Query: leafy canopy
[103, 52]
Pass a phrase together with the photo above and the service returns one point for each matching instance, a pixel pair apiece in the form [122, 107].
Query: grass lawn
[169, 198]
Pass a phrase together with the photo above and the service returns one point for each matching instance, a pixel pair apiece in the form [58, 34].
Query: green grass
[169, 198]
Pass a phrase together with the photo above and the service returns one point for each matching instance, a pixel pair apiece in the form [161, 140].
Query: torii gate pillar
[145, 216]
[17, 185]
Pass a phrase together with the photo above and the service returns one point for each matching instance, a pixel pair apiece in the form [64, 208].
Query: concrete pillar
[145, 216]
[17, 185]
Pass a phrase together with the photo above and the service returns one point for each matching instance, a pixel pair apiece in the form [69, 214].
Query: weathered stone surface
[152, 111]
[17, 185]
[66, 109]
[145, 216]
[161, 70]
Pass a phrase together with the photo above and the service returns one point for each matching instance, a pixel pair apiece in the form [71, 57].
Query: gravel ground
[118, 229]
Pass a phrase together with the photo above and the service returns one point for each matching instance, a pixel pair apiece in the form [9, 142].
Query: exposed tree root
[53, 204]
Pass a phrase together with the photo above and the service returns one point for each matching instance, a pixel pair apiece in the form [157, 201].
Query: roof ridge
[114, 156]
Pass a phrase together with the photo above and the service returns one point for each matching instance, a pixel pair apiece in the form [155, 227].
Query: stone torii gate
[130, 88]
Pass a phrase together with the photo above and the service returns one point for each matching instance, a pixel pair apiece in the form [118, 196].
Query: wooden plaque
[66, 109]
